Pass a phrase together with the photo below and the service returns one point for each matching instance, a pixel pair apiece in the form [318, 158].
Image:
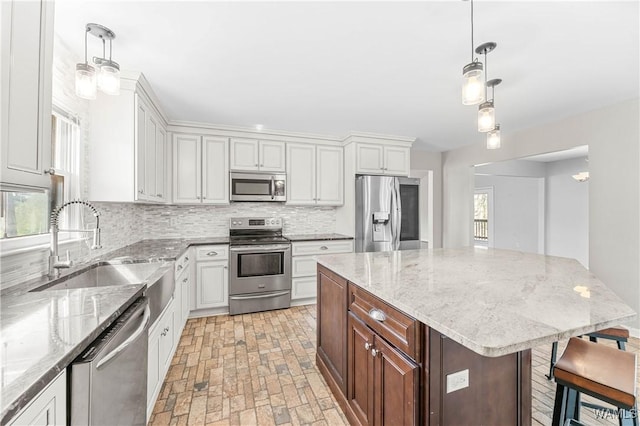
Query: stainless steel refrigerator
[387, 213]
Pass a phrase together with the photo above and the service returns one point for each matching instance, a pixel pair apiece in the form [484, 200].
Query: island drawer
[321, 247]
[396, 327]
[219, 252]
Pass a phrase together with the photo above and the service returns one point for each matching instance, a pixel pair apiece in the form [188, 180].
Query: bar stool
[619, 334]
[599, 371]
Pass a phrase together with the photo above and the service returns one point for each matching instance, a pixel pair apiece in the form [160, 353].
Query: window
[480, 216]
[24, 213]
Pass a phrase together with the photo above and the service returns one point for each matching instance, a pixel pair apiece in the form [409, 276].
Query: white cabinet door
[213, 285]
[153, 367]
[141, 118]
[161, 164]
[330, 176]
[186, 169]
[369, 159]
[49, 407]
[25, 128]
[149, 157]
[301, 173]
[215, 170]
[304, 288]
[244, 154]
[167, 339]
[185, 289]
[396, 161]
[272, 156]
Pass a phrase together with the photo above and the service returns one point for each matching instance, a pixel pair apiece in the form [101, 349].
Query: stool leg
[573, 404]
[559, 406]
[621, 345]
[628, 417]
[593, 339]
[552, 362]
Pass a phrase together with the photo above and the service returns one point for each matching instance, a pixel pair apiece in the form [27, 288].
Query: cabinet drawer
[219, 252]
[396, 327]
[182, 263]
[321, 247]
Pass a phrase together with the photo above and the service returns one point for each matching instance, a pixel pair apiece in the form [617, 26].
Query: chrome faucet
[55, 264]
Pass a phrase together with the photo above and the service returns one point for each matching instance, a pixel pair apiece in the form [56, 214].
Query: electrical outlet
[457, 381]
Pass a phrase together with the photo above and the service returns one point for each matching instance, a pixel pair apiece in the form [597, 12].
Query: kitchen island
[444, 336]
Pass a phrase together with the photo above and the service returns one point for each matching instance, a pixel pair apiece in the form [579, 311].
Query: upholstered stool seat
[597, 370]
[619, 334]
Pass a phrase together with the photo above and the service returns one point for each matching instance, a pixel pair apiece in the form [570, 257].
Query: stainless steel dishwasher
[108, 381]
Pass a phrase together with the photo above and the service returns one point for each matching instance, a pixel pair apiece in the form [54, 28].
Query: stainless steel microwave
[259, 186]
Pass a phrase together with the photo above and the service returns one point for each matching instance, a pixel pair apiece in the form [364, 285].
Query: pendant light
[86, 75]
[107, 79]
[487, 110]
[472, 77]
[493, 138]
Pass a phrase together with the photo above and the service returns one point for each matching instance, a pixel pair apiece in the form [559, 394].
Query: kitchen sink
[104, 274]
[158, 276]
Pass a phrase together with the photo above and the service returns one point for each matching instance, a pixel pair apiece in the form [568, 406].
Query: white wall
[612, 134]
[516, 211]
[421, 163]
[567, 211]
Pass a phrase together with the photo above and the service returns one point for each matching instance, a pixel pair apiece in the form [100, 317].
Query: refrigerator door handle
[396, 212]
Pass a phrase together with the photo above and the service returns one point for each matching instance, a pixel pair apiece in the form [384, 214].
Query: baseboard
[301, 302]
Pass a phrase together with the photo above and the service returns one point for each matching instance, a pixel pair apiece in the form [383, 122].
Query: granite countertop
[494, 302]
[317, 237]
[42, 332]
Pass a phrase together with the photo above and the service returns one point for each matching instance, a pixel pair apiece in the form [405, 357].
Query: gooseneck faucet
[55, 264]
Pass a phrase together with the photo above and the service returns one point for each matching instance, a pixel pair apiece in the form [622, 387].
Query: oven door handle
[114, 353]
[260, 296]
[260, 249]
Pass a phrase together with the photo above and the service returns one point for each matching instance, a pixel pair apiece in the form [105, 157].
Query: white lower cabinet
[211, 287]
[49, 407]
[304, 266]
[162, 344]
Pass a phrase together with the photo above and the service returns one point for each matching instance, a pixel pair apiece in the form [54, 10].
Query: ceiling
[382, 67]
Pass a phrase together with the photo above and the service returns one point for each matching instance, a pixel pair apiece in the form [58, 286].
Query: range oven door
[258, 187]
[260, 268]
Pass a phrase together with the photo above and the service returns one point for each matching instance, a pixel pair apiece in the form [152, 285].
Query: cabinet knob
[212, 253]
[204, 198]
[185, 280]
[324, 248]
[256, 164]
[140, 191]
[159, 195]
[261, 165]
[180, 267]
[367, 346]
[186, 259]
[375, 352]
[226, 267]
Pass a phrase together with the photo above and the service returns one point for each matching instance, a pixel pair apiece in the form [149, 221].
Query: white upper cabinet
[254, 155]
[301, 174]
[128, 147]
[27, 55]
[215, 170]
[330, 175]
[200, 169]
[315, 174]
[381, 159]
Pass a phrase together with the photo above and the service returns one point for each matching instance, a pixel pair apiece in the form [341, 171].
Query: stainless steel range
[260, 265]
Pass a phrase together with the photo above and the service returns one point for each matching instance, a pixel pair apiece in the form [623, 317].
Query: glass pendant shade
[472, 84]
[493, 138]
[109, 78]
[486, 117]
[86, 85]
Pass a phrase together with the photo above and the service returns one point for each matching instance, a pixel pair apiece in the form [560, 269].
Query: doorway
[483, 217]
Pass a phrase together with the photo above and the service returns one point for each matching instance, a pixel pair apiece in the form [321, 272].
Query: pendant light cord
[486, 72]
[86, 33]
[471, 30]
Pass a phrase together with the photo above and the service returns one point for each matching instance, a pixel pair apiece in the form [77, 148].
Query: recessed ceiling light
[259, 127]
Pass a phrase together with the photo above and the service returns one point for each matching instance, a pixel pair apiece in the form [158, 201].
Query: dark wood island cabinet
[387, 368]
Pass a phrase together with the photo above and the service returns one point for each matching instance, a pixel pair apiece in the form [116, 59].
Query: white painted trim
[542, 215]
[305, 301]
[355, 137]
[490, 218]
[246, 132]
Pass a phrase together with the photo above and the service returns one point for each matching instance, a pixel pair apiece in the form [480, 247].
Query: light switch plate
[457, 381]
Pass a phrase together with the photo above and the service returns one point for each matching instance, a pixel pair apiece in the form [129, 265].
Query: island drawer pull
[375, 352]
[212, 253]
[377, 315]
[367, 346]
[180, 267]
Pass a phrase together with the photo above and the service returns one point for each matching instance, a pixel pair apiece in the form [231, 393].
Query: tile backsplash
[125, 223]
